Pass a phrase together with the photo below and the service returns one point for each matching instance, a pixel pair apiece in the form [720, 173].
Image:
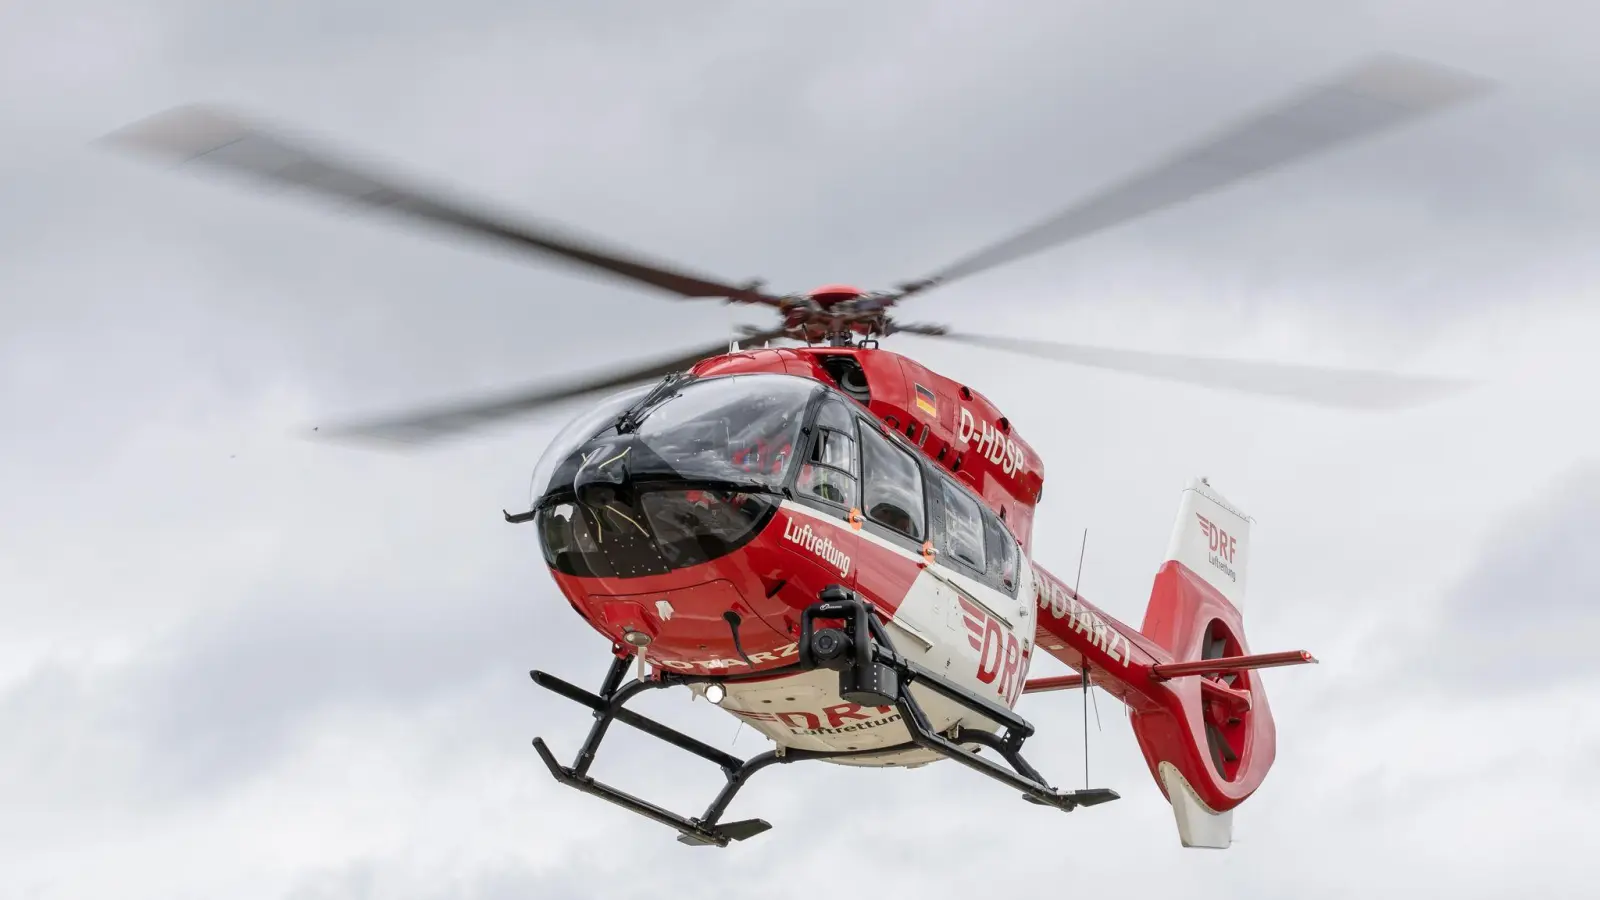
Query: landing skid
[871, 672]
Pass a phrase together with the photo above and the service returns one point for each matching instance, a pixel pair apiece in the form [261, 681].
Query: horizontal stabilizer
[1226, 664]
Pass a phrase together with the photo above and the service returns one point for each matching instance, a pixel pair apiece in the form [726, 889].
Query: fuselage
[695, 520]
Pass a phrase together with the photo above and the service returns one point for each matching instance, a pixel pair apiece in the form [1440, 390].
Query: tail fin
[1212, 740]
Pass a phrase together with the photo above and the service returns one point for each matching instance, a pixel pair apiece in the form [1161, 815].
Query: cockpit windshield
[669, 476]
[578, 432]
[737, 430]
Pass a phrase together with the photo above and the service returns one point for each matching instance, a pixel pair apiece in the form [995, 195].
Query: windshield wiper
[633, 415]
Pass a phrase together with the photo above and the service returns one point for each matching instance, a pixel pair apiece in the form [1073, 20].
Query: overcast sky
[236, 663]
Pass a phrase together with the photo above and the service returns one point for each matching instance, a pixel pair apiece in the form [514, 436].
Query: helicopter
[831, 541]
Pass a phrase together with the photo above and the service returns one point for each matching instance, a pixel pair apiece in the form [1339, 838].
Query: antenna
[1077, 583]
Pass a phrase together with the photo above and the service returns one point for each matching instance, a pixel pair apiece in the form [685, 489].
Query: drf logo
[1001, 661]
[843, 718]
[1220, 542]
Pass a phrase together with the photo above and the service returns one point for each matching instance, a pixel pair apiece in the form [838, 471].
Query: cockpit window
[738, 431]
[738, 428]
[834, 414]
[665, 530]
[578, 432]
[829, 471]
[963, 527]
[685, 477]
[1002, 553]
[892, 483]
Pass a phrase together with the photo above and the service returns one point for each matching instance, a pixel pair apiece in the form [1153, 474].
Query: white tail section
[1198, 827]
[1212, 539]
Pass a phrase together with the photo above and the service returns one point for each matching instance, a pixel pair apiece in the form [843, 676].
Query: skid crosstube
[869, 667]
[608, 707]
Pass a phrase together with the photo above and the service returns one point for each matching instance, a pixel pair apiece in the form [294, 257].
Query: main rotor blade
[452, 418]
[1382, 93]
[217, 138]
[1343, 388]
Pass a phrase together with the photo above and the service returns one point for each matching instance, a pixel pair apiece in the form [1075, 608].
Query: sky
[238, 663]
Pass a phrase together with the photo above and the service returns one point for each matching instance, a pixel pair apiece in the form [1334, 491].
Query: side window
[893, 483]
[833, 414]
[1002, 554]
[963, 527]
[829, 471]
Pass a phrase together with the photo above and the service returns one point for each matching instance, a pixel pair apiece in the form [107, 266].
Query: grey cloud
[884, 117]
[159, 323]
[219, 702]
[1525, 616]
[747, 166]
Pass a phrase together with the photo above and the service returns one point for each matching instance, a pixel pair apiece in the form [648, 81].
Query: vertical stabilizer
[1212, 539]
[1211, 744]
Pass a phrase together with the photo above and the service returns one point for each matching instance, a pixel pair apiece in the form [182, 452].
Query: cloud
[1523, 617]
[239, 663]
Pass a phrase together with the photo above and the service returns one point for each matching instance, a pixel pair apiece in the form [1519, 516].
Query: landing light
[715, 693]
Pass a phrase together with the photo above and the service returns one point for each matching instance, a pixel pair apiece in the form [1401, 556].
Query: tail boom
[1198, 711]
[1082, 635]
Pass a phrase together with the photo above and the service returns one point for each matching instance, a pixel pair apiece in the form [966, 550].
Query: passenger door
[993, 631]
[894, 530]
[823, 521]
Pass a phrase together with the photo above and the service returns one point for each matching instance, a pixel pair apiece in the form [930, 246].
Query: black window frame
[934, 481]
[919, 464]
[939, 529]
[995, 530]
[950, 486]
[813, 436]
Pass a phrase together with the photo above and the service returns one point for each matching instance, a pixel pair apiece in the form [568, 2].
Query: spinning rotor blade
[1346, 388]
[445, 420]
[219, 139]
[1382, 93]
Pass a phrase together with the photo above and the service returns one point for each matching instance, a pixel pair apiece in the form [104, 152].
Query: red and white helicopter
[833, 542]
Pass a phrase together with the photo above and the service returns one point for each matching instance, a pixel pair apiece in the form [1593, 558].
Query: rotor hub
[830, 295]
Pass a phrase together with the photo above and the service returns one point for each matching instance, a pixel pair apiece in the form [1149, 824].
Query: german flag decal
[926, 401]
